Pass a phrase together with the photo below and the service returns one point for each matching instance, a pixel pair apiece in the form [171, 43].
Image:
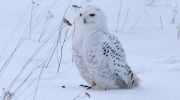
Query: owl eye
[80, 14]
[92, 15]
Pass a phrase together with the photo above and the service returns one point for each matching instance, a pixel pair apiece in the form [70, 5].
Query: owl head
[91, 18]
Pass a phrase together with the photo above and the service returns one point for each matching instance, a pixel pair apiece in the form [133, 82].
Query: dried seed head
[88, 94]
[76, 6]
[67, 21]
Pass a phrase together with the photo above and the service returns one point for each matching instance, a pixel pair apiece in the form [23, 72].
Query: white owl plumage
[99, 55]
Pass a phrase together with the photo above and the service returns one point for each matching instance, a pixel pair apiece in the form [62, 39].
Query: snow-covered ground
[152, 50]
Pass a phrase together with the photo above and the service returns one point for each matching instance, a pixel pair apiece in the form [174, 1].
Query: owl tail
[133, 81]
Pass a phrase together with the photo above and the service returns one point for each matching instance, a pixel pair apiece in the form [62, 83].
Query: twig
[53, 51]
[25, 89]
[148, 15]
[74, 29]
[137, 20]
[178, 30]
[31, 18]
[37, 85]
[151, 2]
[161, 22]
[79, 97]
[175, 13]
[25, 80]
[10, 57]
[125, 20]
[119, 15]
[46, 24]
[62, 46]
[44, 29]
[66, 21]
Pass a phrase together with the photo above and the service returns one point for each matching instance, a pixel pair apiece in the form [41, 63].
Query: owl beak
[85, 21]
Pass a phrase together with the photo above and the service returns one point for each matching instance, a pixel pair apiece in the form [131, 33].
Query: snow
[152, 52]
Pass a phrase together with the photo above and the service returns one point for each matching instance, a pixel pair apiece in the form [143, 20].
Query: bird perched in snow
[98, 54]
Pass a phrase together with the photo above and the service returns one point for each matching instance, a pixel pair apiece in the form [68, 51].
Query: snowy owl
[98, 54]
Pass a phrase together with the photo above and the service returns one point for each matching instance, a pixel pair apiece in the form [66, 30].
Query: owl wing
[114, 55]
